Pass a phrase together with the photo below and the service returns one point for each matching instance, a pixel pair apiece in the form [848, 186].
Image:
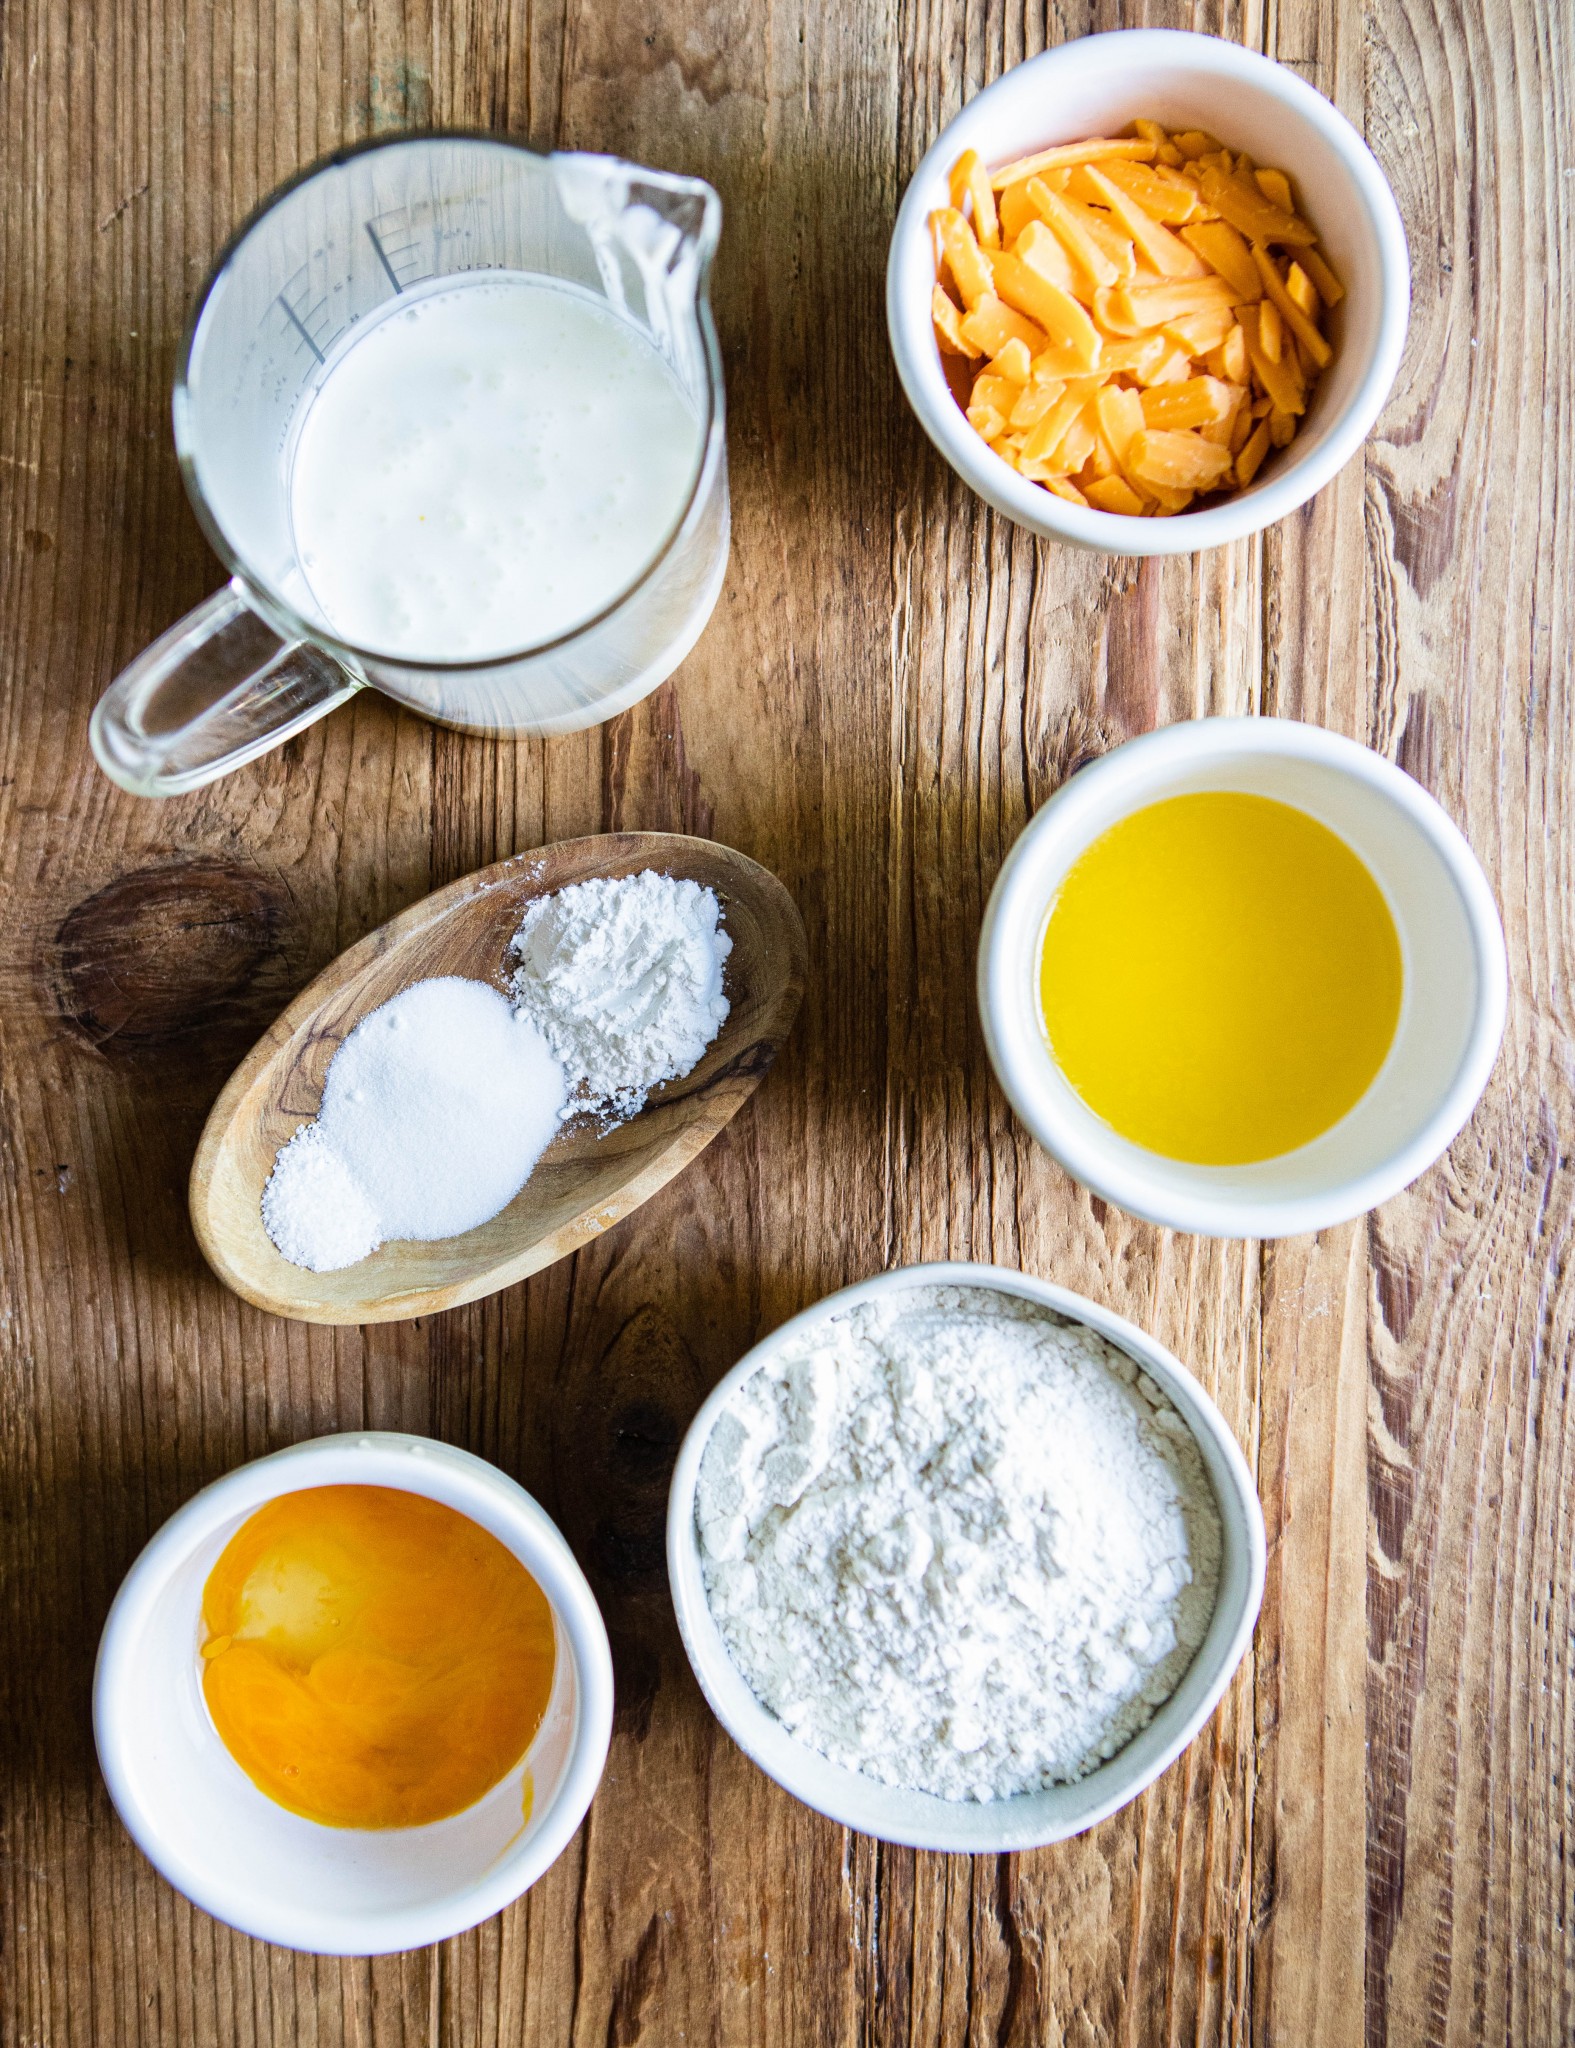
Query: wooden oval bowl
[586, 1179]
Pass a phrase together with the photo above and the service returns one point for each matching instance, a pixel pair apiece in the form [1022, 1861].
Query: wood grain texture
[1370, 1842]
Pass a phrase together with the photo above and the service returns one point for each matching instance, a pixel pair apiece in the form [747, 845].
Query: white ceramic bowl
[201, 1821]
[1452, 951]
[1095, 87]
[919, 1819]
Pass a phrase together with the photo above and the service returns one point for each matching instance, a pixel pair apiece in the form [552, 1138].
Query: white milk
[486, 468]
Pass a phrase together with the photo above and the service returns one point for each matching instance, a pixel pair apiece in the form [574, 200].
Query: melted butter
[373, 1659]
[1220, 978]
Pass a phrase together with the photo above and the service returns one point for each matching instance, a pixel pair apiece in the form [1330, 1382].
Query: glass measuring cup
[259, 660]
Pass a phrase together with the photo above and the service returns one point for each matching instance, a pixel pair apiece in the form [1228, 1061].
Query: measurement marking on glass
[382, 257]
[294, 319]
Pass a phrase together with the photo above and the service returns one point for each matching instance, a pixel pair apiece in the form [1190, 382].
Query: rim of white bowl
[918, 1819]
[1113, 786]
[414, 1465]
[1291, 481]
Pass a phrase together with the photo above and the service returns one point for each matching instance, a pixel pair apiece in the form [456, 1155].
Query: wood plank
[1309, 1820]
[1469, 1588]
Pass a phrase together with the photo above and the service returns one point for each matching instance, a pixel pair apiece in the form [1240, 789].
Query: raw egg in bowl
[356, 1696]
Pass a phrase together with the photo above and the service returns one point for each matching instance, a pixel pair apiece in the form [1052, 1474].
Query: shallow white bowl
[201, 1821]
[919, 1819]
[1452, 951]
[1095, 87]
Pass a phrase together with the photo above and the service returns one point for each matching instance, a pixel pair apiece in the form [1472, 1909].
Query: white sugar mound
[314, 1209]
[435, 1110]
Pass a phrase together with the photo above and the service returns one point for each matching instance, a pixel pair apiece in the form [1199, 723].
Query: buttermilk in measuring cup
[487, 468]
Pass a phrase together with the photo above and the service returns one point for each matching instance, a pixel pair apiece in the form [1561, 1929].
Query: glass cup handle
[218, 689]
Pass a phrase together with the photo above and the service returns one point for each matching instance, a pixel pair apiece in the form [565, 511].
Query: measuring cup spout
[654, 235]
[219, 688]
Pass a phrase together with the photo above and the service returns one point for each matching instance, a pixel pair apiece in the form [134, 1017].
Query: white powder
[956, 1544]
[435, 1109]
[624, 980]
[314, 1208]
[438, 1105]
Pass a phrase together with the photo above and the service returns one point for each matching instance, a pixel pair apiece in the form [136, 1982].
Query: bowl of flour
[962, 1559]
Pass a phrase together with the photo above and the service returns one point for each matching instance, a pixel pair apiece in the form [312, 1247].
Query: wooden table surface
[1371, 1839]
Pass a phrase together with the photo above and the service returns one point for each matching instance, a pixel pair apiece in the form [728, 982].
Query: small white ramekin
[1095, 86]
[1452, 949]
[205, 1826]
[919, 1819]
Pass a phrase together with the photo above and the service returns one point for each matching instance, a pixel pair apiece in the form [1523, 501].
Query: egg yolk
[373, 1659]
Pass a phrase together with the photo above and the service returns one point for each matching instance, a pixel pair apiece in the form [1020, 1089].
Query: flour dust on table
[957, 1544]
[439, 1104]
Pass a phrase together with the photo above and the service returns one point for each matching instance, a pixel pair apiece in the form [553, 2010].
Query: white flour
[624, 981]
[438, 1105]
[957, 1545]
